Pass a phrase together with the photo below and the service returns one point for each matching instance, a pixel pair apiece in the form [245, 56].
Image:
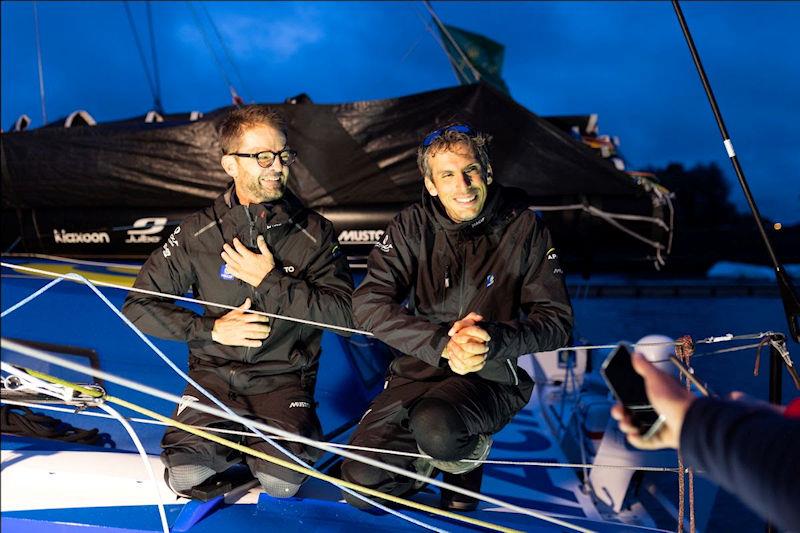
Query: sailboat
[356, 168]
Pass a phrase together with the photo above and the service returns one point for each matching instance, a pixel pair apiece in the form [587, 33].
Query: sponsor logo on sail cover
[359, 236]
[70, 237]
[146, 230]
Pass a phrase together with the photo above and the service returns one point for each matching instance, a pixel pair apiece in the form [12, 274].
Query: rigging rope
[140, 48]
[225, 48]
[157, 79]
[234, 95]
[41, 386]
[72, 277]
[151, 391]
[39, 62]
[211, 397]
[500, 462]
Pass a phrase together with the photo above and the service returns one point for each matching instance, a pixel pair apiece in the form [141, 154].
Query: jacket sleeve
[168, 270]
[546, 321]
[322, 294]
[378, 301]
[751, 452]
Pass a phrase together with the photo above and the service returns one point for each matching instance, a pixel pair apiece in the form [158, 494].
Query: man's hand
[237, 328]
[466, 350]
[667, 396]
[248, 266]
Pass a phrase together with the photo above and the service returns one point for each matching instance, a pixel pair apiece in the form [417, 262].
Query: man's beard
[267, 193]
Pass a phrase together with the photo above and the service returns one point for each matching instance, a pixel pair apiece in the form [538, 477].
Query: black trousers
[470, 406]
[290, 407]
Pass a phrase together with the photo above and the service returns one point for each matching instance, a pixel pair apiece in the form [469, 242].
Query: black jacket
[428, 272]
[311, 280]
[749, 451]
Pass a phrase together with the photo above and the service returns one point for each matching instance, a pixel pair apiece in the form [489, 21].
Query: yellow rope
[280, 462]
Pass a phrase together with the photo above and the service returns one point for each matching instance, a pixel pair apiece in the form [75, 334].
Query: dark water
[608, 320]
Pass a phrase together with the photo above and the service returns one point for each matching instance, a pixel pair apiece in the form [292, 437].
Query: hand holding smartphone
[628, 388]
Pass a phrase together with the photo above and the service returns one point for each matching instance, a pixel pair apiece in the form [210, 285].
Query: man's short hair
[234, 124]
[447, 141]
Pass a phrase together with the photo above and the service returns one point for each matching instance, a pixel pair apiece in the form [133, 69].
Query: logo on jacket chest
[224, 273]
[489, 280]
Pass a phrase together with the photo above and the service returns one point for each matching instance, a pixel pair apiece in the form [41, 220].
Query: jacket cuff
[495, 332]
[439, 341]
[696, 417]
[204, 325]
[272, 279]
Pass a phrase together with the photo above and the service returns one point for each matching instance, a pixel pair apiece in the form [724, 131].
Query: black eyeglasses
[267, 157]
[435, 134]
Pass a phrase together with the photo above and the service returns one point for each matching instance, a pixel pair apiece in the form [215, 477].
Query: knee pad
[440, 431]
[276, 487]
[182, 478]
[363, 474]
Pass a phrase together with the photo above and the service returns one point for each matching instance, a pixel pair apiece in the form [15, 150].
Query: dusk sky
[626, 61]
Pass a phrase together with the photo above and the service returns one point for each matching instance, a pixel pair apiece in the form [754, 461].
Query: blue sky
[626, 61]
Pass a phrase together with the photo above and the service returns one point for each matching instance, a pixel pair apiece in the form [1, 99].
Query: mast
[475, 74]
[791, 301]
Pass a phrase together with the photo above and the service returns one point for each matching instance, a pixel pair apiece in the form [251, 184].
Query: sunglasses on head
[435, 134]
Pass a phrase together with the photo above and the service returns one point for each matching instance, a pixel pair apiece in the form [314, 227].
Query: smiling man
[256, 248]
[461, 285]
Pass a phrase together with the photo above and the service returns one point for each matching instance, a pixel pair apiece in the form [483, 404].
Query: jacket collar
[480, 224]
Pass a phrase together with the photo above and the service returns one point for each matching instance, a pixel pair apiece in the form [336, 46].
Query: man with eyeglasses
[256, 249]
[461, 285]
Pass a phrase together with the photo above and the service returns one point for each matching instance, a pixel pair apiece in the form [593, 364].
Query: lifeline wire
[709, 340]
[78, 277]
[183, 298]
[223, 431]
[145, 389]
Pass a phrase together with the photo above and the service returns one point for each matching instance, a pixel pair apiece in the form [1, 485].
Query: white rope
[145, 459]
[709, 340]
[62, 259]
[151, 391]
[71, 277]
[30, 297]
[42, 387]
[221, 405]
[502, 462]
[583, 207]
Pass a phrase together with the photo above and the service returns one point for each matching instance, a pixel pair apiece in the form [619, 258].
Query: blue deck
[70, 314]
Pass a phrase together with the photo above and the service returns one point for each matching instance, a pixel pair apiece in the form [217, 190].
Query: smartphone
[628, 388]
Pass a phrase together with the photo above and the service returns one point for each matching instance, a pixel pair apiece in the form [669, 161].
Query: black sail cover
[118, 189]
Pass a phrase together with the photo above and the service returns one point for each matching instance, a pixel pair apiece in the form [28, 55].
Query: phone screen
[628, 388]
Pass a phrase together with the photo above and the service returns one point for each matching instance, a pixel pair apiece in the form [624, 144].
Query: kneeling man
[460, 285]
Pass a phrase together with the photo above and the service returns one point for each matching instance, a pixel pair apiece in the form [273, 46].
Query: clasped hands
[466, 351]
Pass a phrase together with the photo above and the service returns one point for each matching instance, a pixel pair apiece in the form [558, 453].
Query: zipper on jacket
[447, 276]
[461, 286]
[252, 223]
[513, 371]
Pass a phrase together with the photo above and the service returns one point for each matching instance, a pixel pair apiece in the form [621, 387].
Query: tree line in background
[709, 227]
